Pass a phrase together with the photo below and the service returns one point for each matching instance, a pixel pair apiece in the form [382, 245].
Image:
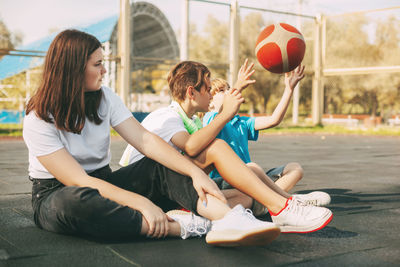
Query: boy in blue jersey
[241, 129]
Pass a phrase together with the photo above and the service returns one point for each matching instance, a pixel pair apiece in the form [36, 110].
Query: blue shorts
[274, 174]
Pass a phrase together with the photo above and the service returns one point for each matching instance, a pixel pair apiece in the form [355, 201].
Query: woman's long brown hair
[61, 96]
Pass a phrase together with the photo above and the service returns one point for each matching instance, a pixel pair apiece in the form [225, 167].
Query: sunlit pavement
[362, 175]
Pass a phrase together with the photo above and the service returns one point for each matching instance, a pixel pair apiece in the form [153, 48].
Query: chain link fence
[360, 52]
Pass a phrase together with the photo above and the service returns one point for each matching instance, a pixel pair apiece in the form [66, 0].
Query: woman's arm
[277, 116]
[68, 171]
[157, 149]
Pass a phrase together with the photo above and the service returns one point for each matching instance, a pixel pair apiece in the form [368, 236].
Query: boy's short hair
[217, 85]
[184, 74]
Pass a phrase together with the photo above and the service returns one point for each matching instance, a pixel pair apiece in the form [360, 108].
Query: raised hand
[244, 74]
[232, 101]
[293, 77]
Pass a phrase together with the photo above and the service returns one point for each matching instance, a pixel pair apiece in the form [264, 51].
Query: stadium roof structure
[153, 38]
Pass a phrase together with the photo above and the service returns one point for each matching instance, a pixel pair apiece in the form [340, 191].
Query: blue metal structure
[12, 65]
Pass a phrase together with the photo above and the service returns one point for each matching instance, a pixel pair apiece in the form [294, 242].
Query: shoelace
[311, 202]
[249, 214]
[296, 206]
[306, 202]
[196, 227]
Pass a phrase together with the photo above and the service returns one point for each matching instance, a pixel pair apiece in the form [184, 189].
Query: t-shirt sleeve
[41, 138]
[164, 123]
[119, 112]
[208, 118]
[172, 126]
[251, 131]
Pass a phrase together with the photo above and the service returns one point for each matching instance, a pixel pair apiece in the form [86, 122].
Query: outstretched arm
[291, 80]
[156, 148]
[244, 74]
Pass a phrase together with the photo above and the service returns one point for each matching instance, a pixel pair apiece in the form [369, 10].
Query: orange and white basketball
[280, 48]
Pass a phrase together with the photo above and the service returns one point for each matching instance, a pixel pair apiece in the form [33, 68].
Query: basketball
[280, 48]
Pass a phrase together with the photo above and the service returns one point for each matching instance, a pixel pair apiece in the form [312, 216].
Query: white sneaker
[299, 218]
[240, 228]
[316, 198]
[191, 225]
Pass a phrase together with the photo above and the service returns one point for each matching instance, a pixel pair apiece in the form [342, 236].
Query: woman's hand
[244, 75]
[156, 219]
[205, 185]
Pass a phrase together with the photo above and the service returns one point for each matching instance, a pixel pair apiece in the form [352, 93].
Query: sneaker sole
[178, 212]
[309, 229]
[234, 238]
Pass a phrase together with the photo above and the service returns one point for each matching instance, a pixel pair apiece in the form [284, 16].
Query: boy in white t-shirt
[190, 87]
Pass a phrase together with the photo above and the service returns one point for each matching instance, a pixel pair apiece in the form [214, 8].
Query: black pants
[83, 211]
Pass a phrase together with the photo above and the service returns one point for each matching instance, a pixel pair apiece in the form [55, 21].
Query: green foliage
[11, 129]
[19, 87]
[5, 37]
[334, 130]
[349, 45]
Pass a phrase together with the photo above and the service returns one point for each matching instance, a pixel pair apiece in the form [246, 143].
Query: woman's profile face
[94, 71]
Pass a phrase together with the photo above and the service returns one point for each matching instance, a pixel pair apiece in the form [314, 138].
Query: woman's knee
[84, 210]
[82, 201]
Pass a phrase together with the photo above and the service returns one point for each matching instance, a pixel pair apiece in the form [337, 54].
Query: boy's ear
[190, 92]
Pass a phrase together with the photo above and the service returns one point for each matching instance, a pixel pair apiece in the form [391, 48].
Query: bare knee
[217, 146]
[255, 168]
[295, 169]
[235, 197]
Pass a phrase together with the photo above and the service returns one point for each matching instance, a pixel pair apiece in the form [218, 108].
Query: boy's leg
[235, 197]
[161, 181]
[291, 215]
[236, 173]
[232, 195]
[267, 180]
[291, 175]
[287, 176]
[162, 185]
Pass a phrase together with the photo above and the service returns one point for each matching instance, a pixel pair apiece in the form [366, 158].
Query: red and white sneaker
[296, 217]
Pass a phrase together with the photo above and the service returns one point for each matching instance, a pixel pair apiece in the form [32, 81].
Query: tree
[5, 38]
[349, 44]
[213, 46]
[13, 88]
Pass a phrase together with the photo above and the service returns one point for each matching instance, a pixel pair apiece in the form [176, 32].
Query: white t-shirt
[91, 148]
[164, 122]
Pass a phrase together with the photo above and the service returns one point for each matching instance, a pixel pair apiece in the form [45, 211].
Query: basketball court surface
[362, 175]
